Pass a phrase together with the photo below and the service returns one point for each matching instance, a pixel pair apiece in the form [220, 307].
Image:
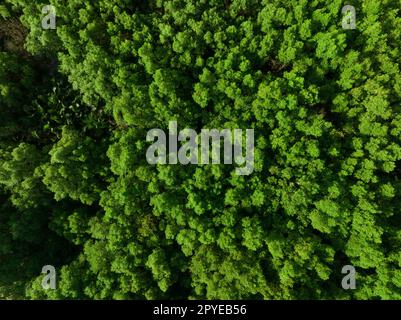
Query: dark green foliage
[77, 192]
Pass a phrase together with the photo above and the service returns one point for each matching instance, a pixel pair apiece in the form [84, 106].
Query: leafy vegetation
[77, 193]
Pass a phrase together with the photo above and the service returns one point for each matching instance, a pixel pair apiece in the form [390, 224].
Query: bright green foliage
[325, 192]
[73, 157]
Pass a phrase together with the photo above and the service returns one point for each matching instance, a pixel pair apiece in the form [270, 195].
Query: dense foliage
[76, 191]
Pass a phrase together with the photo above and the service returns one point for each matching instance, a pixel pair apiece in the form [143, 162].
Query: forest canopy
[76, 191]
